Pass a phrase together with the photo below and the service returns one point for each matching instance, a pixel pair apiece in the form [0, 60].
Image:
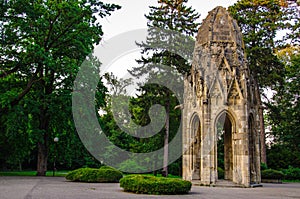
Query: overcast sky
[131, 15]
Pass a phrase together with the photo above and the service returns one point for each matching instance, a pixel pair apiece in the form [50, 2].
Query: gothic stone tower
[220, 120]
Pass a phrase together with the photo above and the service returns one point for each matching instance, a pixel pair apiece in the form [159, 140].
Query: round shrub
[271, 174]
[109, 174]
[155, 185]
[104, 174]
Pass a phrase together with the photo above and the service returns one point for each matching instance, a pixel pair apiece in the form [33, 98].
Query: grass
[32, 173]
[291, 181]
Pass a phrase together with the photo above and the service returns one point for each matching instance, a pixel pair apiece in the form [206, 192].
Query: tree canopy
[43, 44]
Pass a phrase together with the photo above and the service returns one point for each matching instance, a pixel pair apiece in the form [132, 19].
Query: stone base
[219, 183]
[256, 185]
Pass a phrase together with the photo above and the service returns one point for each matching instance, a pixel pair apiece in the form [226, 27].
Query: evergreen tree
[169, 15]
[284, 112]
[292, 7]
[260, 21]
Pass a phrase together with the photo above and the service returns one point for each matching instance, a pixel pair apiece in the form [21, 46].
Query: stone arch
[224, 126]
[223, 96]
[195, 146]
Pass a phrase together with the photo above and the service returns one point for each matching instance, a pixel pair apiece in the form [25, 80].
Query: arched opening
[252, 151]
[224, 147]
[195, 148]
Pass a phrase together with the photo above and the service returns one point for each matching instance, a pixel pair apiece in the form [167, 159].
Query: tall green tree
[284, 112]
[293, 23]
[172, 15]
[140, 107]
[43, 43]
[260, 21]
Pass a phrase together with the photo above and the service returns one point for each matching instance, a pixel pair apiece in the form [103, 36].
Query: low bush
[131, 165]
[103, 174]
[220, 173]
[292, 173]
[263, 166]
[155, 185]
[271, 174]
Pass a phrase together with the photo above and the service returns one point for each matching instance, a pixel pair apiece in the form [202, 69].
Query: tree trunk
[44, 118]
[42, 159]
[155, 164]
[20, 165]
[263, 155]
[166, 139]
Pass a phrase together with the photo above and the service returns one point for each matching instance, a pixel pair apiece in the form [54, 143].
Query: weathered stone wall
[220, 84]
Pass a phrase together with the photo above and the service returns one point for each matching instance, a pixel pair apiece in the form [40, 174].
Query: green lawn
[291, 181]
[57, 173]
[62, 173]
[31, 173]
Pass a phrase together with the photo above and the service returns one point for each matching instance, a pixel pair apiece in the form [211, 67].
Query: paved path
[59, 188]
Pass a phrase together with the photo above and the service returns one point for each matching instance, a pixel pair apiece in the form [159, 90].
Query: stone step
[220, 183]
[226, 183]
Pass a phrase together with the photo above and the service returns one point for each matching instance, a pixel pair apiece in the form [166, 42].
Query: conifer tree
[172, 15]
[260, 21]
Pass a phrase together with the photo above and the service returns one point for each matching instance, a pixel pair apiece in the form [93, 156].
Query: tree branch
[6, 73]
[24, 92]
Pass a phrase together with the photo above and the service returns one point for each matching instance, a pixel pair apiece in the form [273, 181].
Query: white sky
[131, 17]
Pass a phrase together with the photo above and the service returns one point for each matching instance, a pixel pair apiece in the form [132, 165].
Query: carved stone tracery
[220, 86]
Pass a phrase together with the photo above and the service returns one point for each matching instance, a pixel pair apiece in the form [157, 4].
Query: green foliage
[263, 166]
[83, 175]
[174, 16]
[154, 185]
[292, 173]
[163, 20]
[18, 173]
[32, 173]
[220, 173]
[284, 117]
[132, 165]
[281, 156]
[271, 174]
[293, 22]
[220, 144]
[176, 167]
[260, 20]
[42, 45]
[103, 174]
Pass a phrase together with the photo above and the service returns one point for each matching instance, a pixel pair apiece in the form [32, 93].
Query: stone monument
[220, 114]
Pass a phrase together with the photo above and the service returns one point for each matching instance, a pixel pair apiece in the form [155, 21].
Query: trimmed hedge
[103, 174]
[154, 185]
[271, 174]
